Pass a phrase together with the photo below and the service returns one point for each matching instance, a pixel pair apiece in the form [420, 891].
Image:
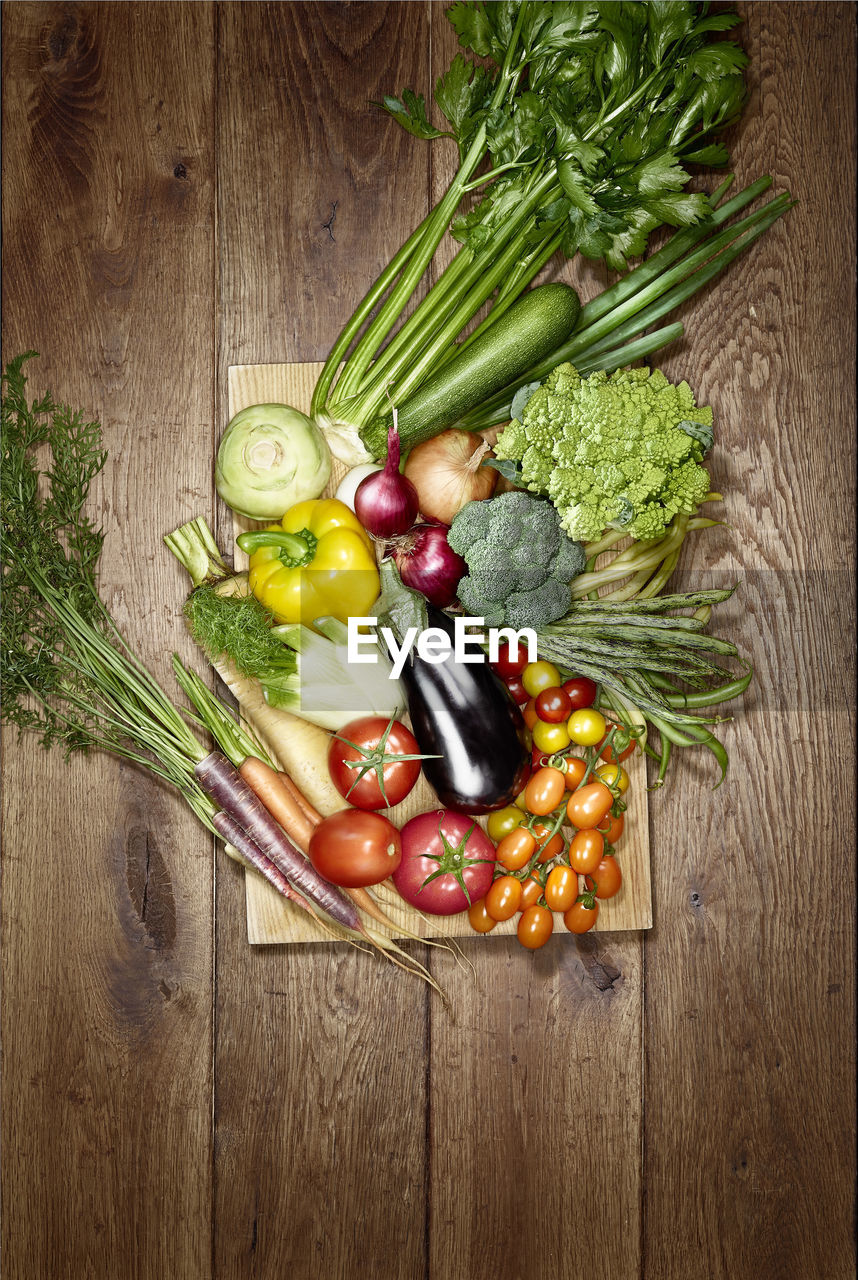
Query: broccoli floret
[520, 565]
[620, 449]
[570, 561]
[478, 607]
[469, 527]
[537, 608]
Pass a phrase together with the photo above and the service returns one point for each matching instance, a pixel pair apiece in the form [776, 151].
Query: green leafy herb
[586, 122]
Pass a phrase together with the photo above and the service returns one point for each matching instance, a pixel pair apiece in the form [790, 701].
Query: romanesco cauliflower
[622, 450]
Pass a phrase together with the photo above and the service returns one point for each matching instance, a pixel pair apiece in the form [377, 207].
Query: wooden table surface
[188, 186]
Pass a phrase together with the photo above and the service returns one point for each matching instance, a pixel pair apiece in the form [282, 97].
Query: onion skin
[386, 503]
[447, 473]
[428, 564]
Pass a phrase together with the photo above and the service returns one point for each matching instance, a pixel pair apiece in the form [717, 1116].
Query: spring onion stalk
[590, 162]
[605, 335]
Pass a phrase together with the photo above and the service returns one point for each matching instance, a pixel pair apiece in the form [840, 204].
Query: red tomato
[606, 879]
[515, 849]
[353, 849]
[612, 827]
[545, 790]
[535, 927]
[553, 705]
[368, 765]
[581, 917]
[588, 805]
[510, 662]
[581, 691]
[517, 689]
[585, 851]
[561, 888]
[447, 862]
[479, 919]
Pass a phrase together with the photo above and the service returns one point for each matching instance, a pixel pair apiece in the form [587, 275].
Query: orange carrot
[270, 788]
[311, 814]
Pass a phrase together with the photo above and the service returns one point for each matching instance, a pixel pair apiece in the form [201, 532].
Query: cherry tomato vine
[555, 847]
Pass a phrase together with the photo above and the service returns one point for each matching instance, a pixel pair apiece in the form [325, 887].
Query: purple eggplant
[463, 714]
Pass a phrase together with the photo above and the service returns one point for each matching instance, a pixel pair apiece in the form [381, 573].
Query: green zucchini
[525, 334]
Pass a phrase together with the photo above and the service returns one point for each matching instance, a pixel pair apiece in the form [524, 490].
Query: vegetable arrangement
[573, 133]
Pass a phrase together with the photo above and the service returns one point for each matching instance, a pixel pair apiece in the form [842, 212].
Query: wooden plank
[270, 919]
[536, 1080]
[107, 922]
[750, 1031]
[320, 1067]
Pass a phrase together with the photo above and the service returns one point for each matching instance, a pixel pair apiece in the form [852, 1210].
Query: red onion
[386, 503]
[428, 564]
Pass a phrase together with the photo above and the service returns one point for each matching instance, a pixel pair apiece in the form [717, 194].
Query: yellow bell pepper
[318, 562]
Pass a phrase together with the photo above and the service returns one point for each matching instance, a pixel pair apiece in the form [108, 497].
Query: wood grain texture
[188, 187]
[107, 896]
[320, 1067]
[749, 1013]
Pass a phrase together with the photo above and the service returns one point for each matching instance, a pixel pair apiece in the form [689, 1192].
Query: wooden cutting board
[270, 919]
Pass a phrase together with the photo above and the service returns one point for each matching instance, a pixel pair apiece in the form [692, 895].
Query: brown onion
[447, 473]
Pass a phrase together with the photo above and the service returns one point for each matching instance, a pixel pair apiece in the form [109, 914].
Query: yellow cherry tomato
[502, 821]
[549, 738]
[614, 776]
[586, 727]
[538, 676]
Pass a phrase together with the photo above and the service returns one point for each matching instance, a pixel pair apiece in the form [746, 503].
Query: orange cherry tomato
[606, 879]
[609, 753]
[479, 918]
[503, 898]
[529, 713]
[535, 927]
[588, 805]
[561, 888]
[552, 846]
[575, 770]
[586, 849]
[580, 918]
[531, 892]
[545, 790]
[612, 827]
[516, 849]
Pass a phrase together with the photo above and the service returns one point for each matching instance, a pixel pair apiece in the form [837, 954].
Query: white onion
[347, 487]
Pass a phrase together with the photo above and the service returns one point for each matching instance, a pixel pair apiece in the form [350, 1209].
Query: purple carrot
[227, 827]
[227, 788]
